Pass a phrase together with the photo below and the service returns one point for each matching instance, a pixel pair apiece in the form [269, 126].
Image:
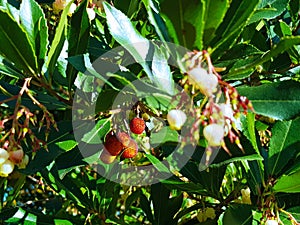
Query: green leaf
[283, 144]
[249, 130]
[233, 23]
[123, 32]
[160, 166]
[164, 207]
[9, 69]
[146, 207]
[238, 215]
[67, 145]
[214, 14]
[190, 187]
[162, 76]
[288, 184]
[276, 8]
[166, 134]
[284, 44]
[156, 20]
[62, 222]
[195, 15]
[32, 19]
[181, 16]
[95, 135]
[78, 37]
[278, 100]
[295, 212]
[58, 41]
[15, 45]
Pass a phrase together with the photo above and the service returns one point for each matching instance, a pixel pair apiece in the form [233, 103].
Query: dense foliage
[214, 83]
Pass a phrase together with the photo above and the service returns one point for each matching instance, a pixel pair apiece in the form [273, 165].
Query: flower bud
[176, 118]
[206, 83]
[271, 222]
[91, 13]
[6, 168]
[214, 134]
[3, 155]
[226, 110]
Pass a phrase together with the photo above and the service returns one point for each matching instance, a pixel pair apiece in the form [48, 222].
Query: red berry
[113, 145]
[131, 151]
[137, 125]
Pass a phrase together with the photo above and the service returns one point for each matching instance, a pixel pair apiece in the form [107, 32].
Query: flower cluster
[221, 108]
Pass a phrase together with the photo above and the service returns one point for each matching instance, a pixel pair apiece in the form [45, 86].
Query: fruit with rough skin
[131, 150]
[205, 82]
[6, 168]
[176, 119]
[16, 156]
[214, 134]
[124, 138]
[137, 125]
[106, 157]
[3, 155]
[113, 145]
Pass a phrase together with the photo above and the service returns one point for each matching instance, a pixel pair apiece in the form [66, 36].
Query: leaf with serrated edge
[282, 145]
[288, 184]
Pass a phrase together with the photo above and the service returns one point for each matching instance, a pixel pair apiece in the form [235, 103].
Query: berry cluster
[121, 144]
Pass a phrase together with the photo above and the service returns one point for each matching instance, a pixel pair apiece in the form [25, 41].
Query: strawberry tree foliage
[214, 85]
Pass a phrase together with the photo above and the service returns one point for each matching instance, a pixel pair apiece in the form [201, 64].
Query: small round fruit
[124, 138]
[106, 157]
[6, 168]
[131, 151]
[3, 155]
[16, 156]
[214, 134]
[137, 125]
[113, 145]
[176, 119]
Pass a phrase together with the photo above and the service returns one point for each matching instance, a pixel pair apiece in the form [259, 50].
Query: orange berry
[131, 151]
